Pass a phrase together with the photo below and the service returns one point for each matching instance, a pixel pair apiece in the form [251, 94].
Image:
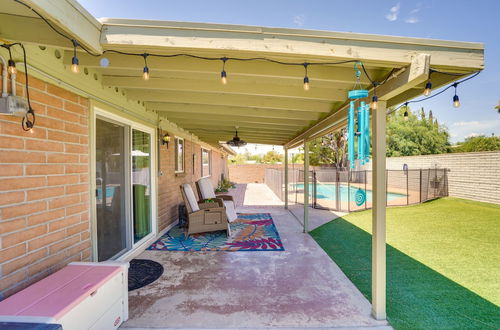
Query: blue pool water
[328, 191]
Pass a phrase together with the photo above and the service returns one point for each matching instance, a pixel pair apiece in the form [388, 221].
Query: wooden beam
[295, 91]
[70, 17]
[216, 127]
[408, 77]
[189, 118]
[266, 102]
[175, 108]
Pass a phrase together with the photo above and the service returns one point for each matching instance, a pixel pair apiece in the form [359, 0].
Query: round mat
[143, 272]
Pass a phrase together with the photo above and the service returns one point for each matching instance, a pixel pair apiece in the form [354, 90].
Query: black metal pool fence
[345, 190]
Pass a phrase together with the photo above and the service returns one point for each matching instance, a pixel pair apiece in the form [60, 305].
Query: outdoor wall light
[165, 139]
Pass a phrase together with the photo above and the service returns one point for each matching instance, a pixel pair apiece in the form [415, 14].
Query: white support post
[306, 186]
[379, 213]
[286, 178]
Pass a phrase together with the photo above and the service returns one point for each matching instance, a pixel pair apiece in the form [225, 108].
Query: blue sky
[460, 20]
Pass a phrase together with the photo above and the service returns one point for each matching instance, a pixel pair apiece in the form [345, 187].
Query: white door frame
[135, 248]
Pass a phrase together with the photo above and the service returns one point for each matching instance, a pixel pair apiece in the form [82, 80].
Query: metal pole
[407, 192]
[379, 197]
[420, 190]
[286, 178]
[306, 186]
[366, 194]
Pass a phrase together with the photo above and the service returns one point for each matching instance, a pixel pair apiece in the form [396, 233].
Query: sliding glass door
[124, 194]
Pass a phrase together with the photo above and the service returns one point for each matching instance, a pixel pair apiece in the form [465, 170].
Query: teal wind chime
[362, 132]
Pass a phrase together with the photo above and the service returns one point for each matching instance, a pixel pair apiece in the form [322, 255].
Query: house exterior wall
[44, 187]
[169, 193]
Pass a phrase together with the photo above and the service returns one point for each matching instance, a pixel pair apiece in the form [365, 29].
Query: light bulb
[31, 130]
[306, 83]
[405, 116]
[145, 73]
[374, 104]
[12, 67]
[456, 101]
[223, 77]
[74, 65]
[427, 90]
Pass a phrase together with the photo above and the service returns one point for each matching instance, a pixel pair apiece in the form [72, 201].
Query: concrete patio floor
[300, 287]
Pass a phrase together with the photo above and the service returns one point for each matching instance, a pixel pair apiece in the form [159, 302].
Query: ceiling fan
[236, 141]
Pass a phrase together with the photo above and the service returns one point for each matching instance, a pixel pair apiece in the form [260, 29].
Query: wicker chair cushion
[188, 191]
[206, 188]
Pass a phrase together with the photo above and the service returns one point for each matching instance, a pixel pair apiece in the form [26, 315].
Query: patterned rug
[250, 232]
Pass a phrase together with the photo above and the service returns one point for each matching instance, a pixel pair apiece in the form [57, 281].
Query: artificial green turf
[443, 262]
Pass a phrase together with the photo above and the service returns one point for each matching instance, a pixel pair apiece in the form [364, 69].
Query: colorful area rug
[250, 232]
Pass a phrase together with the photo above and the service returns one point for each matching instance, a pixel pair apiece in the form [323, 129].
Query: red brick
[11, 197]
[62, 115]
[11, 170]
[62, 93]
[11, 212]
[75, 128]
[13, 225]
[78, 248]
[62, 179]
[22, 157]
[64, 201]
[75, 108]
[63, 137]
[82, 227]
[45, 263]
[70, 169]
[84, 178]
[77, 149]
[46, 240]
[45, 193]
[23, 236]
[76, 189]
[84, 159]
[9, 142]
[49, 123]
[62, 158]
[13, 279]
[44, 169]
[84, 140]
[45, 217]
[59, 246]
[83, 101]
[44, 145]
[34, 82]
[65, 222]
[86, 255]
[76, 209]
[15, 129]
[85, 235]
[45, 98]
[21, 183]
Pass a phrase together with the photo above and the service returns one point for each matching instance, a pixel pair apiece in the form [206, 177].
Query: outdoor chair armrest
[215, 204]
[225, 197]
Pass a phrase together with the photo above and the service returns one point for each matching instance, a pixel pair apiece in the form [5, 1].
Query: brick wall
[169, 194]
[473, 175]
[250, 173]
[44, 195]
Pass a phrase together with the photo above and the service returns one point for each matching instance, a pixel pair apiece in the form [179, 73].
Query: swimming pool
[329, 191]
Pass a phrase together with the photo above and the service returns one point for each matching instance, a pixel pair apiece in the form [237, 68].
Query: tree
[272, 157]
[415, 136]
[479, 143]
[330, 149]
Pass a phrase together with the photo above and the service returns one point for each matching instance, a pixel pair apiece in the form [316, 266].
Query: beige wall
[473, 175]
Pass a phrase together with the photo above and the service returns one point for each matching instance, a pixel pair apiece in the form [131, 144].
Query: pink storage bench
[82, 295]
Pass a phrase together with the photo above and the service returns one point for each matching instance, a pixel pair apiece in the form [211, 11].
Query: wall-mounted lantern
[165, 139]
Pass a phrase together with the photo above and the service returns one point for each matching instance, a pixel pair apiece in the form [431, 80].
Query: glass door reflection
[141, 183]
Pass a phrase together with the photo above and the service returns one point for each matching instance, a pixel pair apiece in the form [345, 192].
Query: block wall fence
[45, 189]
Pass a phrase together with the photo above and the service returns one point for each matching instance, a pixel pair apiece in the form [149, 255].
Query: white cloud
[462, 129]
[472, 135]
[393, 13]
[412, 20]
[299, 20]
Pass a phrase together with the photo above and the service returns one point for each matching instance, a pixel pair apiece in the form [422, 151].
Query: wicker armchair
[206, 191]
[204, 217]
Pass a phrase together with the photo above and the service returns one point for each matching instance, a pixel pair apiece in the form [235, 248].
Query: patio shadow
[417, 296]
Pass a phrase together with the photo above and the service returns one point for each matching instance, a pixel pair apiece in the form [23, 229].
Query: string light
[374, 104]
[428, 88]
[456, 100]
[74, 60]
[11, 64]
[306, 78]
[145, 71]
[405, 115]
[223, 74]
